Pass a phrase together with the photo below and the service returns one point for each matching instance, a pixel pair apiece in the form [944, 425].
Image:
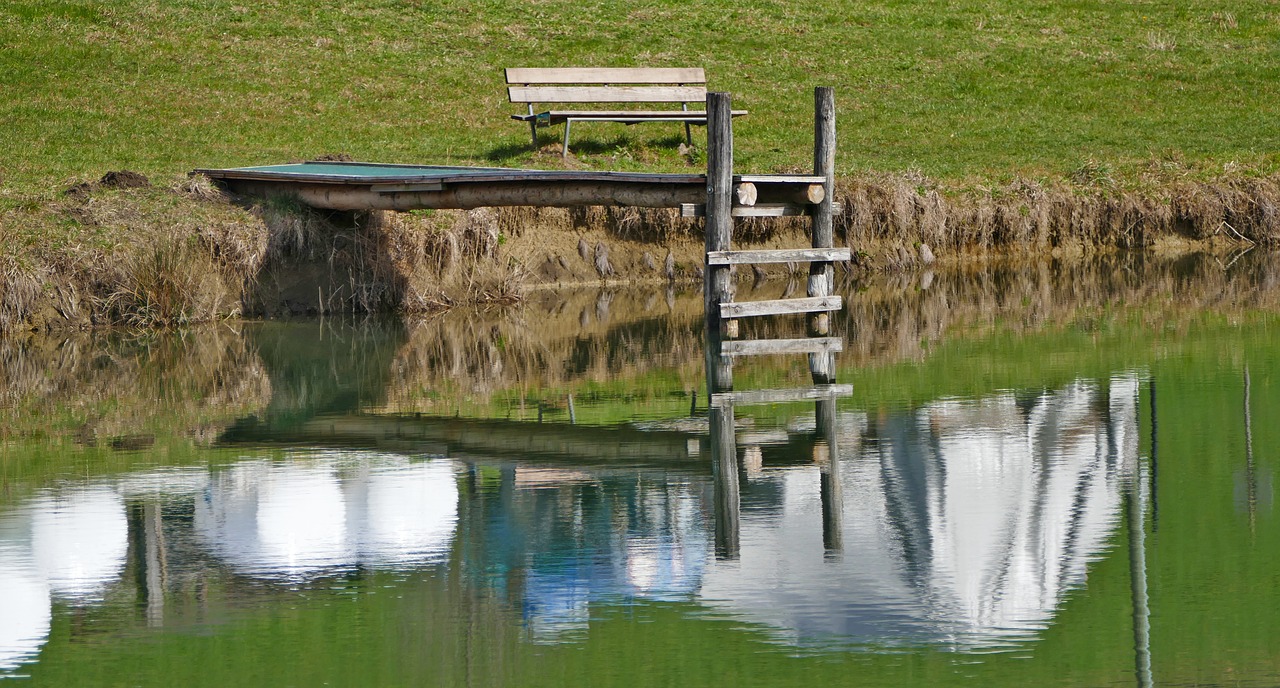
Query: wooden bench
[612, 86]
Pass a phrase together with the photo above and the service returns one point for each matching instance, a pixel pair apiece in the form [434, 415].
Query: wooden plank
[606, 94]
[520, 441]
[400, 165]
[717, 281]
[769, 347]
[822, 275]
[453, 175]
[547, 194]
[751, 309]
[622, 116]
[402, 188]
[785, 255]
[758, 210]
[780, 396]
[546, 119]
[780, 178]
[801, 194]
[606, 75]
[627, 118]
[554, 114]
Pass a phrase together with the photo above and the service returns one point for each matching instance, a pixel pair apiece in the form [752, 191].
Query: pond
[1049, 474]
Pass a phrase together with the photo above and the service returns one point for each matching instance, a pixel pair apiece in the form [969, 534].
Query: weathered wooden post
[717, 285]
[1136, 517]
[727, 498]
[822, 274]
[718, 289]
[829, 490]
[822, 283]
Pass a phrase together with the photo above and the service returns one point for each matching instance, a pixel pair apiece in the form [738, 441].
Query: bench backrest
[606, 85]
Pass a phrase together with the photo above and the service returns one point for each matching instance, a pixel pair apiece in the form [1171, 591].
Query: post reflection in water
[964, 522]
[724, 455]
[961, 523]
[827, 456]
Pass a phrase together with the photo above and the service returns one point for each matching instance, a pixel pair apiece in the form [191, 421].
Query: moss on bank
[121, 251]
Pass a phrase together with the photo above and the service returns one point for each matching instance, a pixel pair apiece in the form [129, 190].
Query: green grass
[963, 89]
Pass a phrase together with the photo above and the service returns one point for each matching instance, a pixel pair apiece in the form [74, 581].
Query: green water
[1049, 475]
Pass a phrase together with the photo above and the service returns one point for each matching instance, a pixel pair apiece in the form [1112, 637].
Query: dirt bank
[124, 251]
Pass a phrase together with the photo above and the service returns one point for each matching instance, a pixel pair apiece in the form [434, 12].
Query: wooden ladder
[729, 197]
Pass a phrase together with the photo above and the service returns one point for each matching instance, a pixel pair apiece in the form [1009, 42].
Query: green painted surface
[369, 171]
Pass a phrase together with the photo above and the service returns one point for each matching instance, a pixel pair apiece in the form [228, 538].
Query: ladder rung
[758, 210]
[749, 309]
[786, 255]
[781, 396]
[765, 347]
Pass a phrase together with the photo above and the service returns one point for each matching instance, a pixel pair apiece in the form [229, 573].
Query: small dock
[378, 186]
[719, 196]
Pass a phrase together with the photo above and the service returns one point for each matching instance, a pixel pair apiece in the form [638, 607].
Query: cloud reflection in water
[965, 523]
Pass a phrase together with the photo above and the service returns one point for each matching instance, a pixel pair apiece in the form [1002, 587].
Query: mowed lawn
[964, 90]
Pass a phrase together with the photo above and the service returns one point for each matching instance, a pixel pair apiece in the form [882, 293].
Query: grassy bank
[107, 253]
[971, 128]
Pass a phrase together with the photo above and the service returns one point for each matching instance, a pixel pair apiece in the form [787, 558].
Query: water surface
[1054, 474]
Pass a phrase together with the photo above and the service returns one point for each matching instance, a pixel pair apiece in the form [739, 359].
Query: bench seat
[625, 116]
[608, 85]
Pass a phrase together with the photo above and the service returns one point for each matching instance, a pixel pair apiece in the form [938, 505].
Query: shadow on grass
[550, 145]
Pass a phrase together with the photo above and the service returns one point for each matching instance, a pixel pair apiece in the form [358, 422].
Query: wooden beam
[785, 255]
[822, 275]
[558, 442]
[606, 75]
[726, 494]
[830, 492]
[751, 309]
[780, 178]
[757, 210]
[425, 174]
[401, 188]
[781, 396]
[802, 194]
[770, 347]
[547, 194]
[717, 281]
[606, 94]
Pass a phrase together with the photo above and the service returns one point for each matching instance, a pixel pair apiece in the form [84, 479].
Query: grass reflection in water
[381, 505]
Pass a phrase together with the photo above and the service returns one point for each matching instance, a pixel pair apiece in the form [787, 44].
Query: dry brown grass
[899, 316]
[144, 256]
[113, 253]
[106, 385]
[562, 341]
[99, 387]
[887, 218]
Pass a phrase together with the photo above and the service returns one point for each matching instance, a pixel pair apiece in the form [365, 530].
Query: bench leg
[564, 152]
[688, 135]
[533, 129]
